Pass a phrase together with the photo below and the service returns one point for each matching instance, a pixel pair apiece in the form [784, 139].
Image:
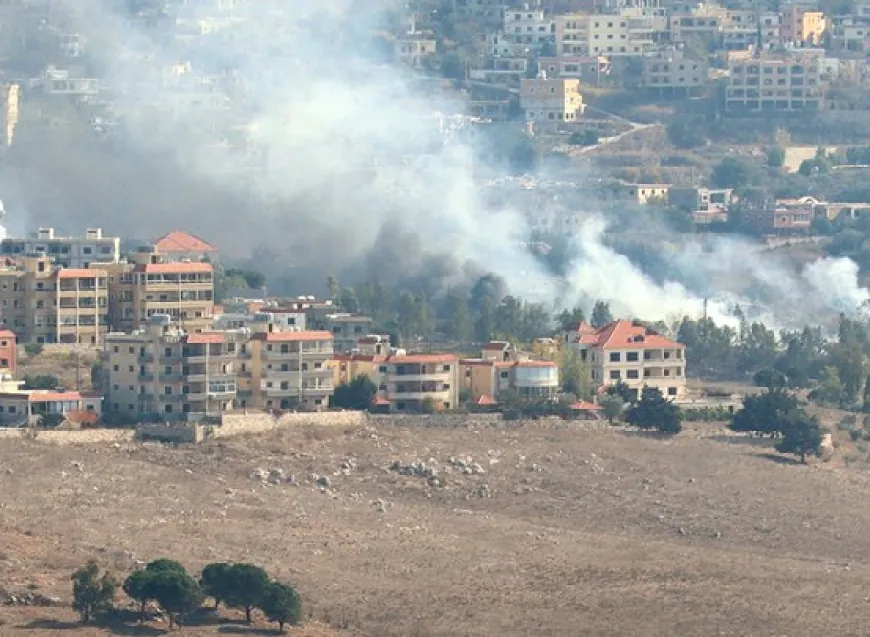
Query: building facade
[44, 303]
[672, 74]
[769, 83]
[551, 100]
[69, 252]
[631, 353]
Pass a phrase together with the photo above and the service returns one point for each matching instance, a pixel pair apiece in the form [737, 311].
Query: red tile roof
[79, 273]
[179, 241]
[280, 337]
[204, 338]
[485, 400]
[380, 401]
[52, 396]
[172, 268]
[622, 334]
[7, 334]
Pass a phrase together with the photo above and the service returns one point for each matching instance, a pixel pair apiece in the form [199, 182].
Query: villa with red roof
[631, 353]
[183, 246]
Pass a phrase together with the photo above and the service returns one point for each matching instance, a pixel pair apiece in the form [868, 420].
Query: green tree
[215, 581]
[41, 381]
[136, 586]
[848, 358]
[428, 405]
[866, 401]
[357, 394]
[574, 373]
[732, 172]
[93, 592]
[246, 276]
[601, 315]
[459, 324]
[281, 604]
[764, 413]
[770, 378]
[757, 349]
[830, 388]
[612, 407]
[348, 300]
[654, 411]
[176, 592]
[776, 157]
[248, 585]
[802, 435]
[33, 349]
[569, 318]
[164, 564]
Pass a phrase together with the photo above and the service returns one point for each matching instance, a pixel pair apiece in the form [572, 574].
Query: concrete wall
[78, 437]
[179, 432]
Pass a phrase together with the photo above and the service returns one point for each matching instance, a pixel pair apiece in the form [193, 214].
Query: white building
[69, 252]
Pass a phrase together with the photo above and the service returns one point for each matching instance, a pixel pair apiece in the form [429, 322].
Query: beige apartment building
[626, 352]
[672, 74]
[44, 303]
[164, 372]
[572, 34]
[414, 380]
[149, 285]
[283, 370]
[551, 100]
[770, 82]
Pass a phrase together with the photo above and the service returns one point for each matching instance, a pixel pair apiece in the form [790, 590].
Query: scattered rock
[322, 482]
[28, 598]
[380, 505]
[277, 476]
[681, 531]
[417, 468]
[258, 474]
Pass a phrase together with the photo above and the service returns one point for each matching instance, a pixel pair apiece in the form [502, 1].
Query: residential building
[802, 27]
[773, 82]
[501, 70]
[642, 194]
[183, 246]
[418, 382]
[56, 81]
[163, 372]
[572, 34]
[589, 70]
[346, 329]
[69, 252]
[705, 205]
[528, 26]
[44, 303]
[10, 102]
[489, 9]
[703, 21]
[8, 353]
[671, 73]
[551, 101]
[621, 35]
[849, 34]
[631, 353]
[415, 48]
[493, 379]
[23, 407]
[792, 216]
[149, 285]
[283, 370]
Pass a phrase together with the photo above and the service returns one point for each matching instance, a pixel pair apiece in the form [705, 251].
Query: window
[447, 368]
[632, 374]
[167, 390]
[167, 369]
[503, 374]
[672, 391]
[168, 351]
[615, 375]
[614, 357]
[631, 357]
[115, 368]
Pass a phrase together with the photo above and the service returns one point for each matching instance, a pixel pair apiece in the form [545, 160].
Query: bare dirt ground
[560, 530]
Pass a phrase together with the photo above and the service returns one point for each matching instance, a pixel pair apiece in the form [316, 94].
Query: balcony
[443, 396]
[440, 377]
[145, 378]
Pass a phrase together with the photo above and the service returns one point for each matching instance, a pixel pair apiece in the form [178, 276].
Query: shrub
[33, 349]
[93, 591]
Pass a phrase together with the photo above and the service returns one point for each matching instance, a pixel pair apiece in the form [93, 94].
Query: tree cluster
[357, 394]
[167, 584]
[777, 413]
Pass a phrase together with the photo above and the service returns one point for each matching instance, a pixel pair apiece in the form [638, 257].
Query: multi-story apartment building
[621, 35]
[164, 372]
[346, 329]
[283, 370]
[672, 73]
[492, 378]
[45, 303]
[488, 9]
[8, 353]
[769, 82]
[572, 34]
[69, 252]
[705, 205]
[415, 48]
[703, 21]
[849, 34]
[149, 285]
[634, 354]
[551, 100]
[802, 27]
[417, 381]
[589, 70]
[528, 26]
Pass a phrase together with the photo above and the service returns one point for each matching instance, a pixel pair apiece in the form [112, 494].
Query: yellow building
[414, 380]
[283, 370]
[148, 285]
[47, 304]
[492, 378]
[772, 82]
[164, 372]
[623, 351]
[803, 27]
[551, 100]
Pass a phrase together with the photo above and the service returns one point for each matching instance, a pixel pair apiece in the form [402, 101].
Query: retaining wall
[74, 437]
[239, 424]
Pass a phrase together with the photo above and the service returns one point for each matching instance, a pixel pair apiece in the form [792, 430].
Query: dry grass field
[565, 531]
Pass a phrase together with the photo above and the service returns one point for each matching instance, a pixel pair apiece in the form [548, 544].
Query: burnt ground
[561, 530]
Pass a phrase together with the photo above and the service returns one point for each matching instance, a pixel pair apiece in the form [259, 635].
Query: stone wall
[74, 437]
[252, 423]
[178, 432]
[438, 420]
